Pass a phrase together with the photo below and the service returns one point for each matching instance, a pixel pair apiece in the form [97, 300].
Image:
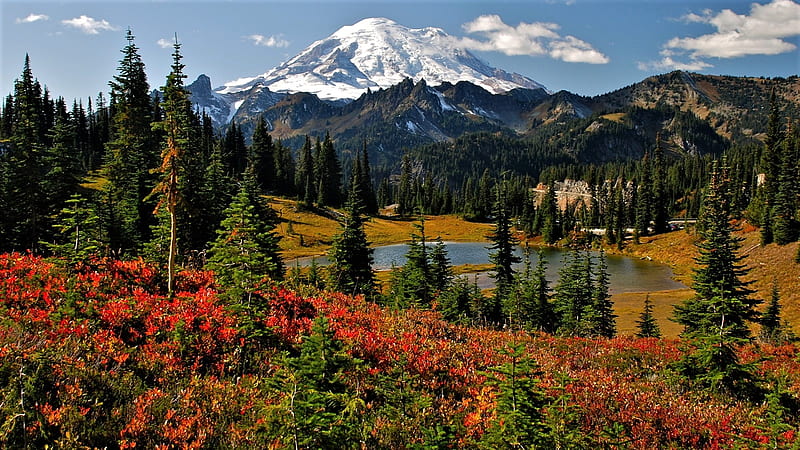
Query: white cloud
[572, 49]
[32, 18]
[164, 43]
[762, 32]
[532, 39]
[268, 41]
[89, 25]
[667, 63]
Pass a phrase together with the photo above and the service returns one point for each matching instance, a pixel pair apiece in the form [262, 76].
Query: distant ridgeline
[694, 115]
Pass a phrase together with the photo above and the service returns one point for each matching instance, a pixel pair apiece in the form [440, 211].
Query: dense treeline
[90, 178]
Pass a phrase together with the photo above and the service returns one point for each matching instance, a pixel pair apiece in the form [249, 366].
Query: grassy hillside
[312, 230]
[768, 264]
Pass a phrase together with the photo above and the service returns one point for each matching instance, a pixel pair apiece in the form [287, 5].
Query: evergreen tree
[573, 293]
[176, 126]
[25, 209]
[771, 156]
[80, 124]
[62, 164]
[412, 283]
[519, 422]
[99, 131]
[544, 319]
[262, 153]
[77, 233]
[660, 202]
[234, 150]
[404, 194]
[647, 325]
[245, 252]
[620, 213]
[772, 329]
[458, 303]
[304, 176]
[548, 211]
[328, 174]
[532, 309]
[599, 316]
[761, 208]
[767, 236]
[350, 270]
[501, 256]
[370, 201]
[482, 201]
[130, 155]
[284, 170]
[441, 270]
[215, 196]
[784, 213]
[722, 304]
[7, 118]
[318, 409]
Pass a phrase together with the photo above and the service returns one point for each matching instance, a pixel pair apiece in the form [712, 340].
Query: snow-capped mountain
[379, 53]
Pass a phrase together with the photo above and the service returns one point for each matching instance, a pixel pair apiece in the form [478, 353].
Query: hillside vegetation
[675, 249]
[97, 355]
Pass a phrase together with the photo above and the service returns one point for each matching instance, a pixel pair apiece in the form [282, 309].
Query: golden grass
[629, 305]
[614, 117]
[766, 265]
[313, 233]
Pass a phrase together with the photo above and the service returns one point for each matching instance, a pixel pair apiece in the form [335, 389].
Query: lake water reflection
[627, 274]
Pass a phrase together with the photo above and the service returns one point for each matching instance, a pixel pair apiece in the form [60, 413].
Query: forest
[144, 301]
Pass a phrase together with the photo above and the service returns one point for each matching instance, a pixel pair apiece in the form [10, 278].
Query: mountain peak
[378, 53]
[367, 24]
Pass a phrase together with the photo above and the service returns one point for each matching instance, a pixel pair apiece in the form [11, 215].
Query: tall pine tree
[176, 126]
[350, 270]
[722, 304]
[130, 155]
[25, 209]
[328, 174]
[502, 256]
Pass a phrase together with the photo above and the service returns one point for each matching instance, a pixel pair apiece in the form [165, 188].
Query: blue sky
[587, 47]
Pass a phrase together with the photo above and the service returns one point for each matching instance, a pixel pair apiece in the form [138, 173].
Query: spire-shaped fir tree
[25, 214]
[262, 155]
[784, 221]
[547, 216]
[176, 127]
[646, 325]
[246, 250]
[722, 304]
[350, 270]
[501, 256]
[304, 175]
[370, 201]
[328, 173]
[599, 316]
[412, 283]
[130, 155]
[660, 204]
